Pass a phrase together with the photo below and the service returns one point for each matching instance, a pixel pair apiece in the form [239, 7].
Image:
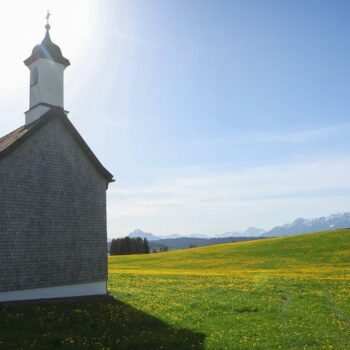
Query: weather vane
[48, 15]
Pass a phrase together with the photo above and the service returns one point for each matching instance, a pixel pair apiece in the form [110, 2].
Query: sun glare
[22, 27]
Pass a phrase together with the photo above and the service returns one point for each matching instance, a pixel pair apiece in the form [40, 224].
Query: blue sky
[213, 115]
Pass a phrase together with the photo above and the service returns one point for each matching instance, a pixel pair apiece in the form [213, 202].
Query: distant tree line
[162, 248]
[190, 242]
[127, 246]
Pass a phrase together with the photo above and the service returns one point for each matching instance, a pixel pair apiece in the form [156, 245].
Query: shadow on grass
[90, 324]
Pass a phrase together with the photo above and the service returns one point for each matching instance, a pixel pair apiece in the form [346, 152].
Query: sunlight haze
[213, 116]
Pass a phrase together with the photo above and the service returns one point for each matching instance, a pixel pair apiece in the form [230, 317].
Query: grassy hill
[311, 255]
[280, 293]
[287, 293]
[186, 242]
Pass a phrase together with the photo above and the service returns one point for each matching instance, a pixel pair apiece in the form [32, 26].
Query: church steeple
[46, 65]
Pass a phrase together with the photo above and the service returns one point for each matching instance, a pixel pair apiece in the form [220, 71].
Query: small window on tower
[34, 76]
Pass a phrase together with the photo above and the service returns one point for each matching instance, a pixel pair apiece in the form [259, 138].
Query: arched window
[34, 76]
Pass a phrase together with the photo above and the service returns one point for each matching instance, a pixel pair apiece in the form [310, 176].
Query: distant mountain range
[152, 237]
[142, 234]
[299, 226]
[250, 232]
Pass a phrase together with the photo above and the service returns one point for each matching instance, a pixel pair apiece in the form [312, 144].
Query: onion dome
[47, 49]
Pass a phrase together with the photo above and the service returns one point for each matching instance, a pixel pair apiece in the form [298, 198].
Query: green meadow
[281, 293]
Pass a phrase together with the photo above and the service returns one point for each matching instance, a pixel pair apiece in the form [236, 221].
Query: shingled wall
[52, 214]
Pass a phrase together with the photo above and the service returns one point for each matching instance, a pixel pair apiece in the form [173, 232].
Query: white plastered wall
[49, 87]
[75, 290]
[35, 113]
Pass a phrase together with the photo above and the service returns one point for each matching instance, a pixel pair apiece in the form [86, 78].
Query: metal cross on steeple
[48, 15]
